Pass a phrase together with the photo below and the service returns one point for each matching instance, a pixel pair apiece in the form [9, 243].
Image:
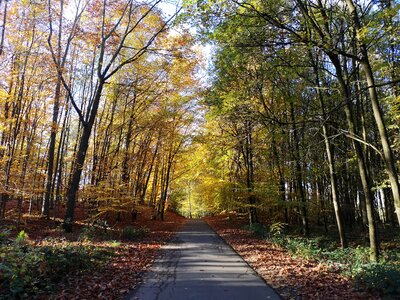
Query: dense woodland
[290, 114]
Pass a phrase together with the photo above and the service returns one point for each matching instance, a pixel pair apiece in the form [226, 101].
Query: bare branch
[359, 139]
[60, 65]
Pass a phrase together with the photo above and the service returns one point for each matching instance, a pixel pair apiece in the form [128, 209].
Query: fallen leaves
[293, 278]
[122, 273]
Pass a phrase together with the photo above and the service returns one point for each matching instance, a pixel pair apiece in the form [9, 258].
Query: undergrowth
[382, 277]
[131, 233]
[28, 270]
[128, 233]
[259, 230]
[91, 233]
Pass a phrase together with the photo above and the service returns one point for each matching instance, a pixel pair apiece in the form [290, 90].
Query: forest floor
[125, 271]
[116, 263]
[121, 271]
[291, 277]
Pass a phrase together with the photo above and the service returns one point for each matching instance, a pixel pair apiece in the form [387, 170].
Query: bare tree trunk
[54, 125]
[298, 174]
[331, 164]
[143, 196]
[3, 26]
[80, 160]
[387, 151]
[365, 181]
[249, 163]
[154, 188]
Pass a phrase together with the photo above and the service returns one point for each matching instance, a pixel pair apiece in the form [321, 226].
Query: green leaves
[29, 270]
[21, 238]
[131, 233]
[381, 277]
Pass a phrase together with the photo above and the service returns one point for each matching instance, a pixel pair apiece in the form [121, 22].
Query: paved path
[197, 264]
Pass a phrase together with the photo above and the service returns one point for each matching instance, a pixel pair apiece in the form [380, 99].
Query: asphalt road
[197, 264]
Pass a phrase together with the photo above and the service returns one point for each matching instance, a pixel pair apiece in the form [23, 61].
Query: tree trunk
[51, 153]
[365, 181]
[3, 27]
[249, 163]
[298, 174]
[80, 160]
[387, 151]
[164, 190]
[331, 164]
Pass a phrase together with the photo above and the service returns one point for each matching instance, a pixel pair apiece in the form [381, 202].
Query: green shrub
[132, 233]
[21, 238]
[4, 234]
[92, 233]
[350, 260]
[115, 243]
[383, 278]
[70, 259]
[277, 229]
[27, 270]
[302, 247]
[18, 267]
[342, 256]
[89, 233]
[259, 230]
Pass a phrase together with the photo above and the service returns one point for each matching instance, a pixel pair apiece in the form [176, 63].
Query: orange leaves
[123, 273]
[293, 278]
[117, 276]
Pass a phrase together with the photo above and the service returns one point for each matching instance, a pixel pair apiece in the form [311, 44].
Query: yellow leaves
[3, 95]
[362, 33]
[395, 110]
[25, 2]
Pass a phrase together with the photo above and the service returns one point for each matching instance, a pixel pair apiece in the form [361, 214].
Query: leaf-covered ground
[124, 272]
[293, 278]
[129, 260]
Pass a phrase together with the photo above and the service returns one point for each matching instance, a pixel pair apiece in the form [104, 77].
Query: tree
[114, 54]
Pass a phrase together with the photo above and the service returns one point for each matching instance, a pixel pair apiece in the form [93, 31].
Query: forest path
[198, 264]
